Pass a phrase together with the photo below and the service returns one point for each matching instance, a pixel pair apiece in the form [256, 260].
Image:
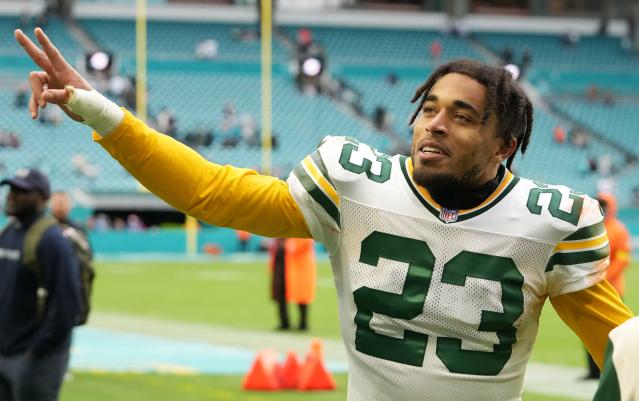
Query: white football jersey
[440, 304]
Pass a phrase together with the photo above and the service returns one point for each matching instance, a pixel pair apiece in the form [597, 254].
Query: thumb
[56, 96]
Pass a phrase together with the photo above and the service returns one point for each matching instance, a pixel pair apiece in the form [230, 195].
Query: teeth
[431, 150]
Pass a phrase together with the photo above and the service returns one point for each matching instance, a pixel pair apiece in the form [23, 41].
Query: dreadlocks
[504, 96]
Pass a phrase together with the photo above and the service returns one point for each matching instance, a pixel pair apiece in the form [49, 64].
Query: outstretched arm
[591, 313]
[220, 195]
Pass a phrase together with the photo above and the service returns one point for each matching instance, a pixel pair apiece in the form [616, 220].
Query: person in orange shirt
[294, 269]
[620, 251]
[243, 238]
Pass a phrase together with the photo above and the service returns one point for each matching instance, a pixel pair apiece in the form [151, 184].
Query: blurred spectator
[436, 50]
[199, 137]
[392, 79]
[382, 118]
[310, 63]
[526, 60]
[608, 99]
[243, 238]
[21, 97]
[592, 165]
[207, 49]
[592, 94]
[134, 223]
[25, 18]
[635, 196]
[9, 140]
[304, 40]
[559, 134]
[51, 115]
[129, 96]
[571, 39]
[119, 86]
[82, 166]
[579, 138]
[166, 122]
[100, 223]
[229, 131]
[248, 130]
[606, 184]
[507, 55]
[119, 224]
[605, 164]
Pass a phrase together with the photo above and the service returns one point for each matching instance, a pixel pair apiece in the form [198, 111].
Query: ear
[506, 148]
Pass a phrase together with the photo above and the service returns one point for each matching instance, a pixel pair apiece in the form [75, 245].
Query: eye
[462, 117]
[429, 110]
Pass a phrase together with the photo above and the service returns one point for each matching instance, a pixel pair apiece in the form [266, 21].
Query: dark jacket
[20, 328]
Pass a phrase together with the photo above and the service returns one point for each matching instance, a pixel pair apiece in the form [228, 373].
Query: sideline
[236, 348]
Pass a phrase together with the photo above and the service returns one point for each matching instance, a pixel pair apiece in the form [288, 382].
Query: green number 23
[409, 304]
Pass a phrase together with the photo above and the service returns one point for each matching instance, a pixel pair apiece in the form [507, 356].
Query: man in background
[38, 306]
[619, 256]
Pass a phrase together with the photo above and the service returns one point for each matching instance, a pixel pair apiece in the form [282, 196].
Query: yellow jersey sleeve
[224, 196]
[592, 313]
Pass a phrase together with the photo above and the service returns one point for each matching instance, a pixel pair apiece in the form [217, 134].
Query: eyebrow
[460, 104]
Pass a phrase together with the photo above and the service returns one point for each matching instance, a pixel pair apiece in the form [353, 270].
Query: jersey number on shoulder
[571, 217]
[409, 304]
[365, 166]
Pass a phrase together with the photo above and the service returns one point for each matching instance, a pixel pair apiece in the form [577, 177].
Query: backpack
[84, 255]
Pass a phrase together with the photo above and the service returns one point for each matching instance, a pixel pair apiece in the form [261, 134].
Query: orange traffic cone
[290, 372]
[262, 375]
[314, 374]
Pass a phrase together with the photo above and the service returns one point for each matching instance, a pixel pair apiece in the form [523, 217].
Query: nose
[437, 124]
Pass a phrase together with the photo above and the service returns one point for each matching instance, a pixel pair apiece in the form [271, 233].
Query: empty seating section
[299, 122]
[591, 53]
[53, 148]
[387, 47]
[178, 40]
[394, 97]
[55, 30]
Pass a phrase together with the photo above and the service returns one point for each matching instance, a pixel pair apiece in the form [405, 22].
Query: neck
[467, 197]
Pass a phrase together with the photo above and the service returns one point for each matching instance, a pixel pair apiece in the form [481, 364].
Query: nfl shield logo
[448, 215]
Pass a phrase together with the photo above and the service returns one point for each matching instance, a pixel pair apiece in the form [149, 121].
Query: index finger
[37, 55]
[57, 61]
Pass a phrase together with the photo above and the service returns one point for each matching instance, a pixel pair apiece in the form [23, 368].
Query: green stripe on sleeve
[608, 389]
[575, 258]
[587, 232]
[317, 159]
[316, 193]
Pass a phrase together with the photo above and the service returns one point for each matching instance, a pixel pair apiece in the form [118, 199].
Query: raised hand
[48, 85]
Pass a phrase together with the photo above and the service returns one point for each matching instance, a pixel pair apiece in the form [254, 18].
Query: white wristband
[97, 111]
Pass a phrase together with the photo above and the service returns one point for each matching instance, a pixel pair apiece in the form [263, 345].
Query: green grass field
[237, 295]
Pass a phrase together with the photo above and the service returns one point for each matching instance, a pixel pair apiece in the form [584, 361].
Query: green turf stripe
[608, 389]
[316, 193]
[587, 232]
[317, 158]
[575, 258]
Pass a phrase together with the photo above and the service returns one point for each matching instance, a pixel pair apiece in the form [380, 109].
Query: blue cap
[30, 180]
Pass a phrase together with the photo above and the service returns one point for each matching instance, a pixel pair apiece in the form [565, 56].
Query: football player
[442, 260]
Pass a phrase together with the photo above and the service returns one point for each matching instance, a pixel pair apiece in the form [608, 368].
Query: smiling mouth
[429, 149]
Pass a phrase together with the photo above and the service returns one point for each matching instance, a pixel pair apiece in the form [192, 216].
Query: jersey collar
[506, 185]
